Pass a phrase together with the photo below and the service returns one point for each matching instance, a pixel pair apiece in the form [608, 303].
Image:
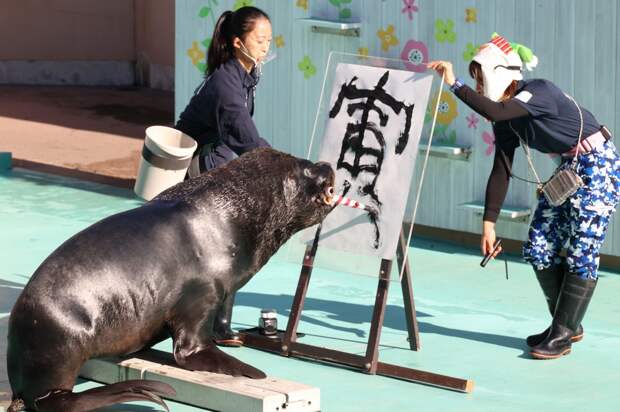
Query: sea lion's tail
[132, 390]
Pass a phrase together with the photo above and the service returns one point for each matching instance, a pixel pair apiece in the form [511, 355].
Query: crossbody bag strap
[574, 162]
[526, 148]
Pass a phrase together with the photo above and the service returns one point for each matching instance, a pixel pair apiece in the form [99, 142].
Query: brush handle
[345, 201]
[488, 257]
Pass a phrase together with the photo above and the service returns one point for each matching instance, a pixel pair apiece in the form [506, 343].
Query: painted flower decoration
[387, 37]
[470, 52]
[471, 15]
[472, 121]
[344, 12]
[303, 4]
[409, 8]
[489, 139]
[306, 67]
[444, 31]
[279, 40]
[208, 10]
[446, 112]
[202, 67]
[363, 51]
[195, 53]
[447, 138]
[415, 55]
[242, 3]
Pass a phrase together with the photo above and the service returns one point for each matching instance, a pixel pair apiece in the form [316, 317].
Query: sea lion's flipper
[132, 390]
[212, 359]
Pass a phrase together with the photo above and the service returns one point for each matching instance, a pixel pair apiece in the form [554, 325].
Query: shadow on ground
[361, 314]
[74, 182]
[89, 108]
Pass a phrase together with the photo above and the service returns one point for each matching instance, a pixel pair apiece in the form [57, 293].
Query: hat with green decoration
[501, 63]
[526, 55]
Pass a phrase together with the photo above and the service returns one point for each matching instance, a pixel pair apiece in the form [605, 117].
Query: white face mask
[498, 70]
[495, 81]
[266, 59]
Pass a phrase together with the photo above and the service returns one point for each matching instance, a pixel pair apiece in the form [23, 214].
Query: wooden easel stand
[288, 345]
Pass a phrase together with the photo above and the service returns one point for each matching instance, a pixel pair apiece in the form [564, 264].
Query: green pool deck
[472, 320]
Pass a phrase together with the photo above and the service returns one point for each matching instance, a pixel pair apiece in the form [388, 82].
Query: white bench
[208, 390]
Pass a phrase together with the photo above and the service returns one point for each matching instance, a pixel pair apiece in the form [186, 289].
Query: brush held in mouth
[339, 200]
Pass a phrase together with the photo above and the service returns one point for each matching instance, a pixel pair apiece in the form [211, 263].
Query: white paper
[387, 191]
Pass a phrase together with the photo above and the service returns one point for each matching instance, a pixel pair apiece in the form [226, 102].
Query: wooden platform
[207, 390]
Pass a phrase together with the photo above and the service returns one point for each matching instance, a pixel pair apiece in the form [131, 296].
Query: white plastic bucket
[166, 155]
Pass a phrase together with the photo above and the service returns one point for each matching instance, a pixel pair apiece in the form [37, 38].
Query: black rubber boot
[222, 333]
[550, 281]
[572, 304]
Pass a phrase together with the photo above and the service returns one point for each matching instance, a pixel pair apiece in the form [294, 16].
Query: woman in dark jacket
[537, 114]
[219, 115]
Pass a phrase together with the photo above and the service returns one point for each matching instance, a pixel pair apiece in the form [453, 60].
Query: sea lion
[159, 270]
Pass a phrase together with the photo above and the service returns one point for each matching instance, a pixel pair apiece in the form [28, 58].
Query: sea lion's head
[309, 190]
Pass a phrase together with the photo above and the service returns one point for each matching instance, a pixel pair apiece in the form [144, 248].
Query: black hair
[231, 24]
[475, 70]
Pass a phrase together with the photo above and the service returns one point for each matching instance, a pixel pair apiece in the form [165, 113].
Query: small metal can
[268, 322]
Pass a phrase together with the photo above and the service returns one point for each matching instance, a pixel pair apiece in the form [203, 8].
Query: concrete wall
[154, 35]
[87, 42]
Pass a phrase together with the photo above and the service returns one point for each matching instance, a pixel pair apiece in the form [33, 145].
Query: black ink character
[353, 140]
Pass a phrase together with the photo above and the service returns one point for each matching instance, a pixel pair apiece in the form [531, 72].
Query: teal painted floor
[472, 320]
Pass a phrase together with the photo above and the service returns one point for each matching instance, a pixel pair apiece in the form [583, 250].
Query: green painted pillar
[5, 160]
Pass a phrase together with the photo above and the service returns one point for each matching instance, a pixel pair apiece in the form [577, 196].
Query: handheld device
[488, 256]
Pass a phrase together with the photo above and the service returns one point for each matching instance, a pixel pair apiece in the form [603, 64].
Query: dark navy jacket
[219, 115]
[542, 115]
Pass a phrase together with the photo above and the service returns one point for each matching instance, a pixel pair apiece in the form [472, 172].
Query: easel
[287, 344]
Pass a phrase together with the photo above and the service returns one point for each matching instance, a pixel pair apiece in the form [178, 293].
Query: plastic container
[166, 155]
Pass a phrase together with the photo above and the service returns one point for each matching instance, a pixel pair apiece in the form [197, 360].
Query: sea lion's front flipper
[213, 359]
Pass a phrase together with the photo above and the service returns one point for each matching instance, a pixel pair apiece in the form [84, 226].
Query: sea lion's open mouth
[328, 195]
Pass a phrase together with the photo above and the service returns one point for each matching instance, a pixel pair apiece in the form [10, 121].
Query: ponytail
[228, 26]
[220, 49]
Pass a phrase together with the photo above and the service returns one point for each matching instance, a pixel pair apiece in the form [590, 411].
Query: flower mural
[242, 3]
[387, 37]
[489, 139]
[446, 112]
[470, 52]
[208, 10]
[344, 12]
[445, 136]
[195, 53]
[279, 40]
[471, 15]
[303, 4]
[363, 51]
[409, 8]
[306, 67]
[444, 31]
[415, 55]
[472, 121]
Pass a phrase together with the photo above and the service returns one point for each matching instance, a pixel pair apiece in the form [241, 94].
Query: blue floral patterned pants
[581, 222]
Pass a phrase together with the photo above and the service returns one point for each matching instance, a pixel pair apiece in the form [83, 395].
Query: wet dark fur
[159, 270]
